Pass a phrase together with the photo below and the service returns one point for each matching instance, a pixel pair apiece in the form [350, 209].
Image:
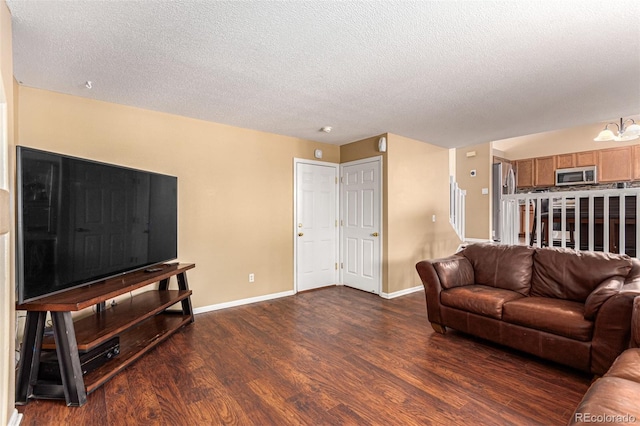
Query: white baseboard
[266, 297]
[15, 418]
[402, 292]
[477, 240]
[241, 302]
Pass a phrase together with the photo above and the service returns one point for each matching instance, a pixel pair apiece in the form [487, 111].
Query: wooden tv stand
[140, 323]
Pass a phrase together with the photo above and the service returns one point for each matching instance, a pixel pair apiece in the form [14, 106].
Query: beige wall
[235, 185]
[417, 189]
[7, 297]
[575, 139]
[478, 205]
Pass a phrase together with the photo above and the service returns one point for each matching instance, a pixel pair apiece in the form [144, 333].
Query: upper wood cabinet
[576, 159]
[544, 171]
[636, 161]
[586, 158]
[615, 164]
[524, 173]
[565, 161]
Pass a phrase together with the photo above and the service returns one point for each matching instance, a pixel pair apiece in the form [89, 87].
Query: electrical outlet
[252, 278]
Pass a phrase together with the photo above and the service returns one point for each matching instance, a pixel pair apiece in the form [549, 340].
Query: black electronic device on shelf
[89, 360]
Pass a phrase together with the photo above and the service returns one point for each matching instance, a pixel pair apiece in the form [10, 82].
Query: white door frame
[294, 225]
[7, 295]
[377, 159]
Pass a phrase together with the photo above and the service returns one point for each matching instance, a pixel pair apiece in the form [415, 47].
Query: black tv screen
[81, 221]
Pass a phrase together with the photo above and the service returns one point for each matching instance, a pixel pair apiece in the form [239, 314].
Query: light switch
[485, 191]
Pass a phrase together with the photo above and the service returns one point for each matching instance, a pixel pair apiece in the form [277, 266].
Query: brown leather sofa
[566, 306]
[615, 398]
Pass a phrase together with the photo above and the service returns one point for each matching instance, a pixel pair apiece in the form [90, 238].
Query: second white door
[361, 220]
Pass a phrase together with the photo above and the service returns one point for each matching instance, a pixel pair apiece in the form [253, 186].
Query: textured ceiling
[451, 73]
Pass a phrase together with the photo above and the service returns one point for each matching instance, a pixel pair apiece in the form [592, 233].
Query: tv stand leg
[30, 355]
[68, 358]
[183, 284]
[164, 284]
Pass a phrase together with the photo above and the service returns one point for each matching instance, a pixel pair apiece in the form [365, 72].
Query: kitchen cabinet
[565, 161]
[524, 173]
[636, 162]
[615, 164]
[544, 171]
[586, 158]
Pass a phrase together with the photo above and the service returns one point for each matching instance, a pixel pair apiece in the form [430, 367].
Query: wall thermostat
[317, 153]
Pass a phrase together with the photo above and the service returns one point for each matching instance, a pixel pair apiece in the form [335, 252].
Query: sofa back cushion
[572, 275]
[501, 266]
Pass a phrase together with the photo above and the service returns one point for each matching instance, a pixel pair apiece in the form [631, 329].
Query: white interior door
[316, 225]
[361, 225]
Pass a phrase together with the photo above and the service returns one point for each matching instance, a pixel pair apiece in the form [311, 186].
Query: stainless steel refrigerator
[503, 181]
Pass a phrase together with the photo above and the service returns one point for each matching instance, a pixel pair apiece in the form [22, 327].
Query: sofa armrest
[612, 330]
[606, 289]
[437, 274]
[432, 289]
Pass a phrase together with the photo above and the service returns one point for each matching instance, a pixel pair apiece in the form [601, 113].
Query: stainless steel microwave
[577, 176]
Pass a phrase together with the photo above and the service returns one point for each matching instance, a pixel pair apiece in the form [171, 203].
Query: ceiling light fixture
[628, 130]
[88, 84]
[326, 129]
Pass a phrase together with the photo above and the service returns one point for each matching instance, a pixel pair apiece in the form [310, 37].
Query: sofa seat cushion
[556, 316]
[609, 401]
[478, 299]
[627, 366]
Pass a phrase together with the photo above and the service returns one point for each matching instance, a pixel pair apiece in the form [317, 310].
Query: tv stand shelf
[140, 323]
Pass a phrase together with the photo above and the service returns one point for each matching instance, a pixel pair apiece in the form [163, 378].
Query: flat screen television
[81, 221]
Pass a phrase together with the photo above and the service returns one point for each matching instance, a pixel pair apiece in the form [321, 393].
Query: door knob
[375, 234]
[300, 234]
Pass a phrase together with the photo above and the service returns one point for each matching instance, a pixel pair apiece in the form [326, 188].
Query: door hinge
[342, 266]
[341, 180]
[336, 223]
[341, 222]
[336, 266]
[336, 179]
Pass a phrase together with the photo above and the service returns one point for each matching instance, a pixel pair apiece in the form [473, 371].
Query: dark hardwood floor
[326, 357]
